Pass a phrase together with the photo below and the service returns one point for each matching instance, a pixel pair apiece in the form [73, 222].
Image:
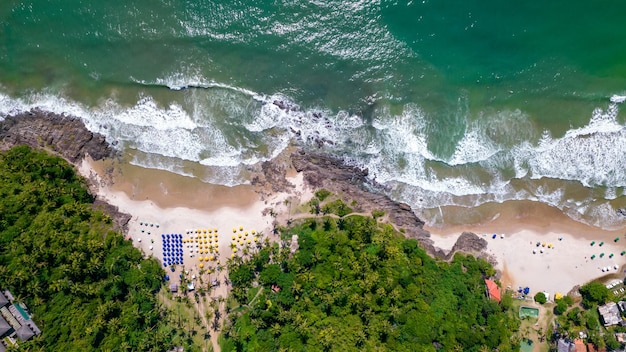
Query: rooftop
[610, 314]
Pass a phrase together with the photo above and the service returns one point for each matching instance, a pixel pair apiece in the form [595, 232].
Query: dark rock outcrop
[468, 243]
[331, 173]
[64, 135]
[120, 220]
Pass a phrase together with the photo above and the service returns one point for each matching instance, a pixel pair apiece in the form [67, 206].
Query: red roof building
[493, 291]
[580, 345]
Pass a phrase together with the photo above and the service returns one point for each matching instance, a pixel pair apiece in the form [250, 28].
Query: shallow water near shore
[448, 107]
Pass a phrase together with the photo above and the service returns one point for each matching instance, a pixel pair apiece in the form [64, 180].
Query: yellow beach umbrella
[234, 229]
[248, 241]
[233, 237]
[215, 230]
[255, 239]
[201, 265]
[239, 235]
[234, 250]
[211, 258]
[245, 233]
[232, 255]
[253, 232]
[240, 228]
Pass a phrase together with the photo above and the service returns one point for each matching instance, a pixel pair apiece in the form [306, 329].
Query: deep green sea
[446, 103]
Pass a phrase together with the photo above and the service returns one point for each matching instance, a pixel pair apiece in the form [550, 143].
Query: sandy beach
[536, 246]
[562, 259]
[209, 224]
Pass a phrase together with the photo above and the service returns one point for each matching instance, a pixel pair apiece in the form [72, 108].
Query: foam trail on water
[494, 151]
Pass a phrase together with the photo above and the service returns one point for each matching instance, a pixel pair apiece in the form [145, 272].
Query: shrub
[322, 194]
[540, 298]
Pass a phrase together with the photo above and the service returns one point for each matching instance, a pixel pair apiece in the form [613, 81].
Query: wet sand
[179, 204]
[523, 224]
[215, 223]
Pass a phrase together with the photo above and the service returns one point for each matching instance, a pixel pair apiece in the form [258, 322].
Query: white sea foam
[393, 148]
[618, 99]
[591, 154]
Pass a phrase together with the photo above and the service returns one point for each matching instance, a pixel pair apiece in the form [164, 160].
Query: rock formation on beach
[64, 135]
[325, 171]
[68, 137]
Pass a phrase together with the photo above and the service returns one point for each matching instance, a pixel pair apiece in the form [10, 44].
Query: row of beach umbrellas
[172, 249]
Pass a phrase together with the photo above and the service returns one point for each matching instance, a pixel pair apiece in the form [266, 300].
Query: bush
[338, 208]
[560, 308]
[594, 293]
[540, 298]
[322, 194]
[377, 214]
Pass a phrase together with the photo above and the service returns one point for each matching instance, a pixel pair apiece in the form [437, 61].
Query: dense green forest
[88, 288]
[355, 284]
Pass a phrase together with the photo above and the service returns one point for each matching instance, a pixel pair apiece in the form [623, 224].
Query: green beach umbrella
[601, 255]
[601, 243]
[593, 242]
[611, 255]
[623, 252]
[593, 256]
[616, 239]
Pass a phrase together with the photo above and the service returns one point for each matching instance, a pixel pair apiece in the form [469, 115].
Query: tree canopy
[594, 293]
[356, 285]
[88, 288]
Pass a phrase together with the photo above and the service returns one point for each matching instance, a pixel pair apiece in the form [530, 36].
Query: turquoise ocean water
[446, 103]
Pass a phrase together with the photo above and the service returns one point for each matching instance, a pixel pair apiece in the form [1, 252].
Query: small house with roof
[15, 321]
[610, 314]
[493, 291]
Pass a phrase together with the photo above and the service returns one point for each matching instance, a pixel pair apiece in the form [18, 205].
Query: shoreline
[214, 223]
[161, 202]
[149, 195]
[558, 269]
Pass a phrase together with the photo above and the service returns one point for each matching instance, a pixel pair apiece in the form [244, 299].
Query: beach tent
[526, 290]
[493, 291]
